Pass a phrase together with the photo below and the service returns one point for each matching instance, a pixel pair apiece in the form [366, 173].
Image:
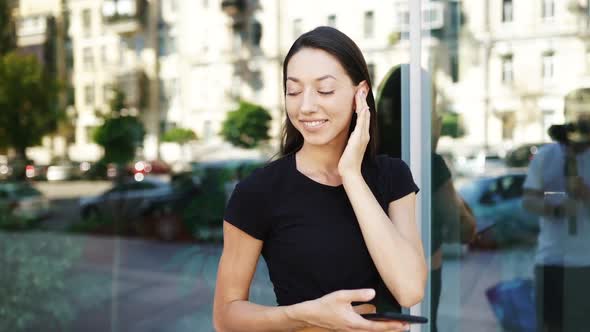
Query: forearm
[399, 260]
[246, 316]
[536, 205]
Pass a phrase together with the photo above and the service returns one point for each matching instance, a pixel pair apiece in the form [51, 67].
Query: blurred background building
[185, 64]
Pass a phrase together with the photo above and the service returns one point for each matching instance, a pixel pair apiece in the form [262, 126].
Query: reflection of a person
[562, 271]
[450, 215]
[451, 218]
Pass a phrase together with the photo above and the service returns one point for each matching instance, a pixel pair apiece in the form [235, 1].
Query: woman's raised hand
[334, 312]
[352, 157]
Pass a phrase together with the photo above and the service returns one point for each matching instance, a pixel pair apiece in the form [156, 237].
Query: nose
[308, 104]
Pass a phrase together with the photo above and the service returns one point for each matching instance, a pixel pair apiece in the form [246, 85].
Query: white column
[419, 143]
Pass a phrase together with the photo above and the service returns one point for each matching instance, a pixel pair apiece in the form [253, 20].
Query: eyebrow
[317, 79]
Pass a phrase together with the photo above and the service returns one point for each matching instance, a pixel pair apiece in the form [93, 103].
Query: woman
[332, 221]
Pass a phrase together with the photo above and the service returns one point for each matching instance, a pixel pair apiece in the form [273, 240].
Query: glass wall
[122, 136]
[511, 122]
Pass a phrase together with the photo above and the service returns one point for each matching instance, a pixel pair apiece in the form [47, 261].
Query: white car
[23, 200]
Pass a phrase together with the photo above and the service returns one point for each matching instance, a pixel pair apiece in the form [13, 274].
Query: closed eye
[325, 92]
[293, 93]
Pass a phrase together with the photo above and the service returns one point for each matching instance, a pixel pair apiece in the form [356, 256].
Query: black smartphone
[386, 316]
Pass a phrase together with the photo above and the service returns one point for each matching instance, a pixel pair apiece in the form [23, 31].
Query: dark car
[127, 199]
[496, 202]
[148, 207]
[522, 155]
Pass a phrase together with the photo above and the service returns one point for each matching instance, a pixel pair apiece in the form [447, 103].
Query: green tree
[120, 134]
[452, 125]
[7, 28]
[28, 102]
[179, 135]
[247, 126]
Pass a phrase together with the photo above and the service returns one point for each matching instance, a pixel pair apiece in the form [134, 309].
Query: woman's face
[320, 97]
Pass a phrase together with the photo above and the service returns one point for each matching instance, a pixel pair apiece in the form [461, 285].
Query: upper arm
[534, 176]
[236, 266]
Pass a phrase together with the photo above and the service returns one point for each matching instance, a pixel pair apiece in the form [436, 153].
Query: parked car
[522, 155]
[63, 171]
[126, 199]
[36, 172]
[477, 164]
[154, 167]
[19, 170]
[496, 201]
[23, 200]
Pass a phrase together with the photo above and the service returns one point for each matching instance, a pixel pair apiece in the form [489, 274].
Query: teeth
[314, 123]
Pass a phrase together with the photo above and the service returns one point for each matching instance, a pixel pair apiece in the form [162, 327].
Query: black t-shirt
[312, 241]
[440, 175]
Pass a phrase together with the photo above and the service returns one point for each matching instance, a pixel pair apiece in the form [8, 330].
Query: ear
[363, 85]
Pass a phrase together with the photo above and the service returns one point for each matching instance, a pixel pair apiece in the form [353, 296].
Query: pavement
[115, 284]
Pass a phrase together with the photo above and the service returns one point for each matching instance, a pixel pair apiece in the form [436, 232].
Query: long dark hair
[350, 57]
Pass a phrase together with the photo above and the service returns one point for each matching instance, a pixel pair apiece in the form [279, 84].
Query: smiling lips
[313, 125]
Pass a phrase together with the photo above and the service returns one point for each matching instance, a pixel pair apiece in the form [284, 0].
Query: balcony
[124, 17]
[134, 84]
[32, 30]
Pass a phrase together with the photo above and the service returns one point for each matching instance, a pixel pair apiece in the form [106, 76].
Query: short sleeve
[534, 178]
[398, 179]
[440, 172]
[245, 210]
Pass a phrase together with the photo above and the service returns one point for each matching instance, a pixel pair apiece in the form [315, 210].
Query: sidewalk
[131, 285]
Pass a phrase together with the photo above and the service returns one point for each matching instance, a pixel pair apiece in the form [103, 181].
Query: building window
[548, 9]
[255, 33]
[507, 69]
[89, 95]
[332, 21]
[369, 24]
[297, 28]
[104, 54]
[371, 68]
[173, 6]
[87, 59]
[454, 66]
[547, 70]
[507, 11]
[167, 42]
[86, 21]
[207, 130]
[108, 92]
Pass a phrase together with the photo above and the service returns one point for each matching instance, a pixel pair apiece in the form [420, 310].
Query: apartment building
[521, 61]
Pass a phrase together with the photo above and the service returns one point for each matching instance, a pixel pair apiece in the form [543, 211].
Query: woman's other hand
[334, 312]
[352, 157]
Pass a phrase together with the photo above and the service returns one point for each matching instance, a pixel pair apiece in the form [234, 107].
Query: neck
[323, 159]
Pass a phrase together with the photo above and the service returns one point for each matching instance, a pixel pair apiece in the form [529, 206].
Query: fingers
[361, 97]
[357, 295]
[367, 123]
